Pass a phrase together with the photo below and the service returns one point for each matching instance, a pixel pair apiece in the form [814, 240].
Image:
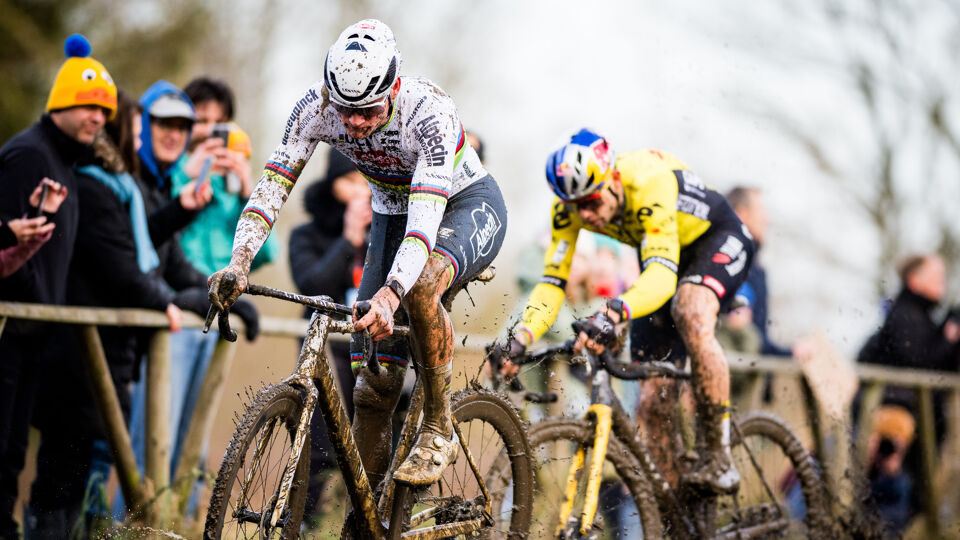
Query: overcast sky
[697, 79]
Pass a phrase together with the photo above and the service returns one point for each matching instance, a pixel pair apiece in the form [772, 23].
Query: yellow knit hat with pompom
[82, 80]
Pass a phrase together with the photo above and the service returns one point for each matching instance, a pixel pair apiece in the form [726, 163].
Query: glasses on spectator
[366, 112]
[182, 124]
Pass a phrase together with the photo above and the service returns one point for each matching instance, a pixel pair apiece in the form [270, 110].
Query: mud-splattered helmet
[362, 65]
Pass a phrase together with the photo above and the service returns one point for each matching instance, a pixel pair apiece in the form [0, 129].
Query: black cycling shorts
[718, 260]
[469, 237]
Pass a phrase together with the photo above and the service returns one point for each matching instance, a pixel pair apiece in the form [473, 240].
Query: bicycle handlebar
[320, 303]
[607, 361]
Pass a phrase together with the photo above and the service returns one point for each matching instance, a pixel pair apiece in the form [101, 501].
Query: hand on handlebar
[226, 286]
[379, 320]
[500, 356]
[596, 333]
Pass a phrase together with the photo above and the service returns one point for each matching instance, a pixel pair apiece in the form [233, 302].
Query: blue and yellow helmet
[579, 168]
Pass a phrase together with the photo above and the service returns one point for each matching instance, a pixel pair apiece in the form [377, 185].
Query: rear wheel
[496, 437]
[782, 494]
[555, 442]
[257, 457]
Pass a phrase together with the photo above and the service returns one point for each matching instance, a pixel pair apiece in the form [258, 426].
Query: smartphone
[221, 131]
[43, 197]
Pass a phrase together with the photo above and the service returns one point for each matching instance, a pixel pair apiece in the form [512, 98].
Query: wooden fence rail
[151, 499]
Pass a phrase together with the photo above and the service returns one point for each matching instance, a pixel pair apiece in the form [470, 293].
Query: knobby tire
[817, 521]
[281, 403]
[581, 432]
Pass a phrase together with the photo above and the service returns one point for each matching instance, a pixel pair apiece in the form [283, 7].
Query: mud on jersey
[413, 164]
[666, 208]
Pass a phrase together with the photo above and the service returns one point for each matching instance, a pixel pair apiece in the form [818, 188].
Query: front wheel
[248, 483]
[626, 501]
[496, 438]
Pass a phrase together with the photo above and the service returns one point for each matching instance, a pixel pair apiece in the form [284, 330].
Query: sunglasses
[590, 204]
[366, 112]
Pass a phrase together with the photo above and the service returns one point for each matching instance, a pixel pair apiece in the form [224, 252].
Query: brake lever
[227, 283]
[225, 331]
[367, 347]
[208, 322]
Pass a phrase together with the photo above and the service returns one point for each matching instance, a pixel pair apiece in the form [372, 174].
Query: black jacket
[909, 338]
[105, 271]
[167, 216]
[41, 150]
[321, 259]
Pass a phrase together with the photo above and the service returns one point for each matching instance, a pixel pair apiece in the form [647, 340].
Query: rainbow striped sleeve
[280, 173]
[429, 193]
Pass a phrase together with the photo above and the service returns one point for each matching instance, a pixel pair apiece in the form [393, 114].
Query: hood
[147, 159]
[326, 210]
[319, 201]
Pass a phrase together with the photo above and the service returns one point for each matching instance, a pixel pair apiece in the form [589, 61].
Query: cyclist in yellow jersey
[694, 254]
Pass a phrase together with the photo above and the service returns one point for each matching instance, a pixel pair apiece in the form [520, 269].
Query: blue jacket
[757, 279]
[150, 167]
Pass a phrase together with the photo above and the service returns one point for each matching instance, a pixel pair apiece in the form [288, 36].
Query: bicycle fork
[603, 415]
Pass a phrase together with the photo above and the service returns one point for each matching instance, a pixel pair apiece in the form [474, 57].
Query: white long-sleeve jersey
[414, 163]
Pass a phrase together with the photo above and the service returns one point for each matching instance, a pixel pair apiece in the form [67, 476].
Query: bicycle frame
[608, 414]
[314, 377]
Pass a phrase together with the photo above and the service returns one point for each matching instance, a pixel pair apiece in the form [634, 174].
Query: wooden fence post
[157, 454]
[204, 413]
[816, 422]
[105, 396]
[928, 451]
[950, 458]
[870, 400]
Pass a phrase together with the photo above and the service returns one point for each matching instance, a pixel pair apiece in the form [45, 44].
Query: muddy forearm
[257, 219]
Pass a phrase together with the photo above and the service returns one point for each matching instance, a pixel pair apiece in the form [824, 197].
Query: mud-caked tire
[278, 406]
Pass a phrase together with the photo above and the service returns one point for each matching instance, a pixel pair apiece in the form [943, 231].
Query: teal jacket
[208, 240]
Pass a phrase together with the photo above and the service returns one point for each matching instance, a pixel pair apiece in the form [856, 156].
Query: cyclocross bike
[765, 451]
[261, 488]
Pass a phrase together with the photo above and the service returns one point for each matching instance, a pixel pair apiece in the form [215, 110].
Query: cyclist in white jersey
[439, 219]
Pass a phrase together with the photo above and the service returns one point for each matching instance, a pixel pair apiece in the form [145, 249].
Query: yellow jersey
[665, 208]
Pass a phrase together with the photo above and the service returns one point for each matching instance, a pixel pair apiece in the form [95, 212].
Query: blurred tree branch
[136, 52]
[898, 70]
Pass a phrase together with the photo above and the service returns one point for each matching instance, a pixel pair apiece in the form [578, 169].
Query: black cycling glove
[497, 352]
[600, 328]
[251, 317]
[193, 299]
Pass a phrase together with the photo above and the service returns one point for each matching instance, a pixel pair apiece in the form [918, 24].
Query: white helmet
[362, 64]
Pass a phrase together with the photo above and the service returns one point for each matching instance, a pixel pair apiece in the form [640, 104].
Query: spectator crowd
[115, 201]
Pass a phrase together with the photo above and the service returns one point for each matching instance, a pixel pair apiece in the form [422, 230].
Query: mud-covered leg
[436, 446]
[374, 399]
[657, 410]
[695, 309]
